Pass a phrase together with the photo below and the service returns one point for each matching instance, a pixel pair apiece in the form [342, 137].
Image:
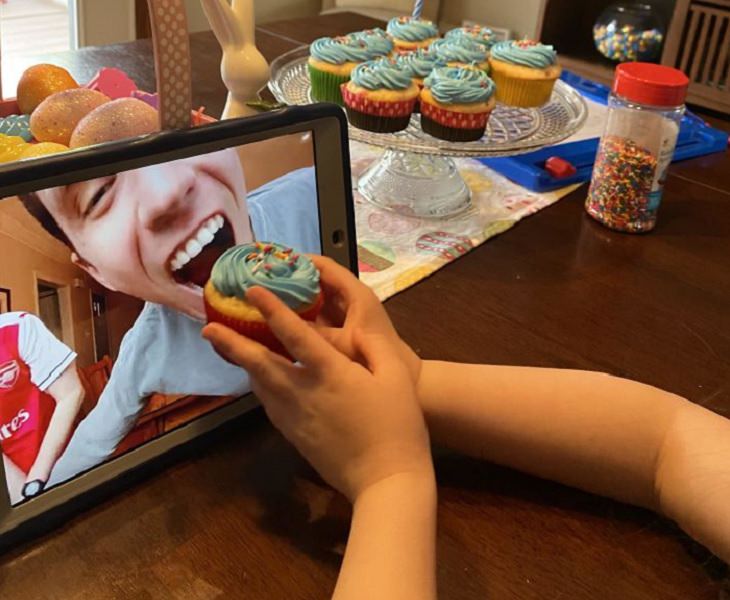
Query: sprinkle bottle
[645, 110]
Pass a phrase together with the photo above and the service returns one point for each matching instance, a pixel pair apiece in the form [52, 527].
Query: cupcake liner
[455, 119]
[378, 116]
[362, 103]
[523, 93]
[453, 125]
[375, 123]
[450, 134]
[259, 331]
[326, 86]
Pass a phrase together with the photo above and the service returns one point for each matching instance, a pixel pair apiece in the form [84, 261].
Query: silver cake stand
[417, 174]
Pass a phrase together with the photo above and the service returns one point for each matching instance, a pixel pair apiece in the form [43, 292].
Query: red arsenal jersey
[31, 359]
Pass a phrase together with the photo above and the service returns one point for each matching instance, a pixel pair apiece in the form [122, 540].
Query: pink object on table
[113, 83]
[152, 99]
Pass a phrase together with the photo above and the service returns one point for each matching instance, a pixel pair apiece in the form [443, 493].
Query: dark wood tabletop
[246, 518]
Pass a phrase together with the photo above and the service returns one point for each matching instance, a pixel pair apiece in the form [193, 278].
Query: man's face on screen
[154, 233]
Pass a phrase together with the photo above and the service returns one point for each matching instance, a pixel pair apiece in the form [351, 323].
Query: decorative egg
[11, 147]
[18, 125]
[42, 149]
[58, 115]
[114, 83]
[115, 120]
[39, 82]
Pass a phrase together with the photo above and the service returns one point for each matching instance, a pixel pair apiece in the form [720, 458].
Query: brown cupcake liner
[377, 123]
[450, 134]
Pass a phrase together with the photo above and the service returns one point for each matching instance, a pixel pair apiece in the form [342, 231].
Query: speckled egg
[39, 82]
[42, 149]
[58, 115]
[116, 120]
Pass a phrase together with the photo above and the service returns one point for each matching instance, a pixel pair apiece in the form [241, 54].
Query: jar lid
[647, 83]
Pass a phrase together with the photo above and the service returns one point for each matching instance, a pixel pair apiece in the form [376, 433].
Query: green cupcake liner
[326, 86]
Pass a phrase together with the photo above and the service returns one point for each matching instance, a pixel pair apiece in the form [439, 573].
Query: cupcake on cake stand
[417, 174]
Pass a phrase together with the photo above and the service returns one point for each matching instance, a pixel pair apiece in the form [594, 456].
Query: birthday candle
[417, 9]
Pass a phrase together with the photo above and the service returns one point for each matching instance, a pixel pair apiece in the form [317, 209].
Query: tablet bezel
[337, 231]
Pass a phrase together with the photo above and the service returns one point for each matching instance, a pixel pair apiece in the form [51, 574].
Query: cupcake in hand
[411, 33]
[380, 96]
[291, 276]
[331, 60]
[525, 72]
[461, 52]
[474, 33]
[456, 104]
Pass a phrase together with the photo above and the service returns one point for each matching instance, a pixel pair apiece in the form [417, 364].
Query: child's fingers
[337, 337]
[268, 368]
[300, 340]
[377, 351]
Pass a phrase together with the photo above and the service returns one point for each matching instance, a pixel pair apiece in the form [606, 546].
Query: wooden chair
[381, 9]
[94, 379]
[698, 43]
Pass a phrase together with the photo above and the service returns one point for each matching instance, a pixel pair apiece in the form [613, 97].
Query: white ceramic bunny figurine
[244, 69]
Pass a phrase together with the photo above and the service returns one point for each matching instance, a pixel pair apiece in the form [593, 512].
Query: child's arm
[68, 393]
[391, 549]
[359, 424]
[599, 433]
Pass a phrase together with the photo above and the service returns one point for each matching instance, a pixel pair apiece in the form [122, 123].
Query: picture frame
[5, 305]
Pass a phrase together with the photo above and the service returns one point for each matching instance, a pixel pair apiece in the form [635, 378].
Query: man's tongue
[197, 271]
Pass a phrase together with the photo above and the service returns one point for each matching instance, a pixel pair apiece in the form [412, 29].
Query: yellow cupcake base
[523, 87]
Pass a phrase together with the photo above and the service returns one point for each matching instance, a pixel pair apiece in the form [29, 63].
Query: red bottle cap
[647, 83]
[559, 167]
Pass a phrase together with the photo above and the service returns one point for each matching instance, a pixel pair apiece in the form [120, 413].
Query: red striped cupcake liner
[453, 118]
[362, 104]
[259, 331]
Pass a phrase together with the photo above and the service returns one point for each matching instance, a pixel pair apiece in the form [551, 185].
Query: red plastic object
[559, 167]
[647, 83]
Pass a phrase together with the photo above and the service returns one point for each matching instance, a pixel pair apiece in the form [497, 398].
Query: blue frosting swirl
[457, 85]
[16, 125]
[420, 62]
[381, 74]
[341, 50]
[525, 53]
[475, 33]
[411, 29]
[292, 277]
[377, 39]
[459, 50]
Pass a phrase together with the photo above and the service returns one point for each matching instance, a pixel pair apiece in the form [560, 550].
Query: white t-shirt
[45, 355]
[164, 351]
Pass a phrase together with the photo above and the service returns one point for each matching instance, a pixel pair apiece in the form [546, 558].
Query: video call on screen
[101, 303]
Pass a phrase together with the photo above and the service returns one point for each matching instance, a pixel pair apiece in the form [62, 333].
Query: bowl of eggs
[53, 113]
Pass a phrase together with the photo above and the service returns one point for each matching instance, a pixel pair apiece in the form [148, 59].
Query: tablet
[103, 256]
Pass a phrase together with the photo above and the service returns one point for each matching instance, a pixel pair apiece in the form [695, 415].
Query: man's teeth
[194, 246]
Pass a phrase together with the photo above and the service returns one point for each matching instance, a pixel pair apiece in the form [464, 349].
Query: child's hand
[351, 306]
[357, 423]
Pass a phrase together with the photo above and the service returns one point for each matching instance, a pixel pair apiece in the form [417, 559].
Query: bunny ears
[233, 26]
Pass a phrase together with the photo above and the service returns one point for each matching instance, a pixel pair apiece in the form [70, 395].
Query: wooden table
[247, 518]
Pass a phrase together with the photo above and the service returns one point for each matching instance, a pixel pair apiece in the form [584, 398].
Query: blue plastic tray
[696, 138]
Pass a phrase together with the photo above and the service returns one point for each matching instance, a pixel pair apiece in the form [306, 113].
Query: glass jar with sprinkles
[645, 110]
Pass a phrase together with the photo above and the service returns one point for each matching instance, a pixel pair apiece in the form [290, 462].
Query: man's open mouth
[193, 261]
